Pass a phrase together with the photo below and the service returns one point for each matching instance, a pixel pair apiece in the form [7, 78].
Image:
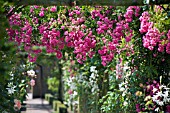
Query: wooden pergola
[90, 2]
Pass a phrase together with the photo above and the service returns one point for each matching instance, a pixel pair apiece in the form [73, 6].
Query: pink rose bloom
[104, 63]
[59, 54]
[128, 38]
[161, 48]
[32, 82]
[17, 104]
[62, 27]
[70, 92]
[163, 60]
[151, 48]
[168, 48]
[168, 34]
[36, 7]
[41, 14]
[53, 9]
[32, 59]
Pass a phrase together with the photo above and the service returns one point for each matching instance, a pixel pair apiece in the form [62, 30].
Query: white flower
[11, 90]
[75, 93]
[10, 84]
[92, 68]
[24, 65]
[31, 73]
[166, 96]
[163, 94]
[122, 89]
[148, 98]
[154, 90]
[92, 76]
[159, 94]
[73, 86]
[75, 102]
[160, 103]
[22, 81]
[155, 97]
[94, 88]
[157, 109]
[12, 74]
[125, 103]
[124, 93]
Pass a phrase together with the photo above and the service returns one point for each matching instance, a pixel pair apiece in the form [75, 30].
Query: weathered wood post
[61, 84]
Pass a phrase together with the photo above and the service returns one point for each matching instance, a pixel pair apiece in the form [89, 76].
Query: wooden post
[61, 84]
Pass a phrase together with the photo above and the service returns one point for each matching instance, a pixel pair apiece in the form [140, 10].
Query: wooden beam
[89, 2]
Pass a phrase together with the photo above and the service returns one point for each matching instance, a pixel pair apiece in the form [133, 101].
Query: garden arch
[125, 47]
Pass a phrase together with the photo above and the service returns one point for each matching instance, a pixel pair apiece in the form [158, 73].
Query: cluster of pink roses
[76, 34]
[122, 30]
[131, 11]
[152, 36]
[50, 37]
[22, 35]
[81, 37]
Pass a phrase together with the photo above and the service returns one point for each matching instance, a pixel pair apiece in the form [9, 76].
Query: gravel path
[37, 105]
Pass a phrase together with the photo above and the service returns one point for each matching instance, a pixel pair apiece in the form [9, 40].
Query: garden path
[37, 105]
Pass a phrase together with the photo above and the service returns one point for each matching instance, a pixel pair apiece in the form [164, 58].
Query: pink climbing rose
[32, 82]
[59, 54]
[70, 92]
[17, 105]
[41, 14]
[53, 9]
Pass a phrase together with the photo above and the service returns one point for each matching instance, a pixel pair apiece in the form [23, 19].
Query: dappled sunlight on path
[37, 105]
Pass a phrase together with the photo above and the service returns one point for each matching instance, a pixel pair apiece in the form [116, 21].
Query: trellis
[90, 2]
